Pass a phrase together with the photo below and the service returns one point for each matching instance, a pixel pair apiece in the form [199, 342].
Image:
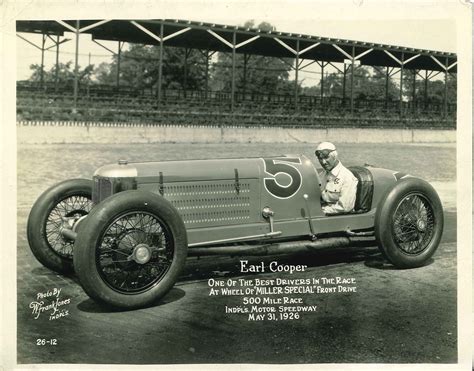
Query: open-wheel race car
[127, 232]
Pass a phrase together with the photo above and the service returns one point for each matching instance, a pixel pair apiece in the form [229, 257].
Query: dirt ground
[395, 316]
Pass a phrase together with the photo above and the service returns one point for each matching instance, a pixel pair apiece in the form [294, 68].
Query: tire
[69, 199]
[409, 223]
[130, 249]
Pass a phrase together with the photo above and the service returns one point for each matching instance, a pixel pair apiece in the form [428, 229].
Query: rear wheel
[130, 250]
[409, 223]
[58, 207]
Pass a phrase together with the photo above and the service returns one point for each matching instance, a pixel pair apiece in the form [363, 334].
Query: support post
[244, 78]
[88, 64]
[344, 86]
[207, 72]
[160, 65]
[56, 72]
[297, 66]
[232, 96]
[425, 91]
[322, 82]
[119, 52]
[413, 92]
[401, 86]
[43, 40]
[352, 80]
[446, 89]
[387, 76]
[76, 66]
[185, 71]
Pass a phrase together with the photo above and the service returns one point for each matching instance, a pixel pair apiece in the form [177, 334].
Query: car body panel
[222, 200]
[383, 180]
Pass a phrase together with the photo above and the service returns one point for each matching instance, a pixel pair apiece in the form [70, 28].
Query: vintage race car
[127, 232]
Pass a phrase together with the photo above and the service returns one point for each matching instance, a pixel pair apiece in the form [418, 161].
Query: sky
[431, 31]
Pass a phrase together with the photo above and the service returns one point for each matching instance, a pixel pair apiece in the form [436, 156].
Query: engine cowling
[111, 179]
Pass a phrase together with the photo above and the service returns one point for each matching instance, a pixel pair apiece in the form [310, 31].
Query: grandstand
[47, 101]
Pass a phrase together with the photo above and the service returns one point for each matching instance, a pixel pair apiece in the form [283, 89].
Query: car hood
[175, 171]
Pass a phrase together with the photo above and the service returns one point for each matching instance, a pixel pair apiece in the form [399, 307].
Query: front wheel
[130, 249]
[58, 207]
[409, 223]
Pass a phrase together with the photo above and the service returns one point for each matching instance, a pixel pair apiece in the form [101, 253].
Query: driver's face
[328, 163]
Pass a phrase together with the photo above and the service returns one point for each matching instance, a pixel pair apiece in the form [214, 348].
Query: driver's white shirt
[338, 190]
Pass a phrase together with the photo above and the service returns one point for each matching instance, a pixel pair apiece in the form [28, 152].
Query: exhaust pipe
[274, 248]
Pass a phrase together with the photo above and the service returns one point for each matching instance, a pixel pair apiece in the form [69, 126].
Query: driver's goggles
[323, 153]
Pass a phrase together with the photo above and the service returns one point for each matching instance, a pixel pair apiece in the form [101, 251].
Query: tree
[105, 73]
[374, 84]
[65, 74]
[253, 73]
[369, 83]
[435, 89]
[140, 63]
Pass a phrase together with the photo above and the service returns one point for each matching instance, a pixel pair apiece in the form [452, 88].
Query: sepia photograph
[237, 184]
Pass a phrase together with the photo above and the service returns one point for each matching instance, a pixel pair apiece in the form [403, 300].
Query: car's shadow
[206, 267]
[45, 272]
[383, 264]
[91, 306]
[228, 266]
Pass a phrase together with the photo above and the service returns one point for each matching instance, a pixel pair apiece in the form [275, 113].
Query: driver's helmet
[324, 149]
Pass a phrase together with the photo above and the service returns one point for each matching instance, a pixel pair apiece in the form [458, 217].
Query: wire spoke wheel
[65, 213]
[135, 252]
[58, 208]
[409, 223]
[413, 223]
[130, 249]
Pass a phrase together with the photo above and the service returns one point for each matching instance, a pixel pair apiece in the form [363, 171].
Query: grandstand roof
[216, 37]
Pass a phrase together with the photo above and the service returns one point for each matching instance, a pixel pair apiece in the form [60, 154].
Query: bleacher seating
[109, 104]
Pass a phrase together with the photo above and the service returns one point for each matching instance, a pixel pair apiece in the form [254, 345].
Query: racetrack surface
[396, 316]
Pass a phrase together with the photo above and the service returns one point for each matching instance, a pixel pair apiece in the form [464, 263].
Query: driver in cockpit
[338, 184]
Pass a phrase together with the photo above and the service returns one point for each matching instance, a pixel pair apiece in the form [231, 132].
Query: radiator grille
[102, 189]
